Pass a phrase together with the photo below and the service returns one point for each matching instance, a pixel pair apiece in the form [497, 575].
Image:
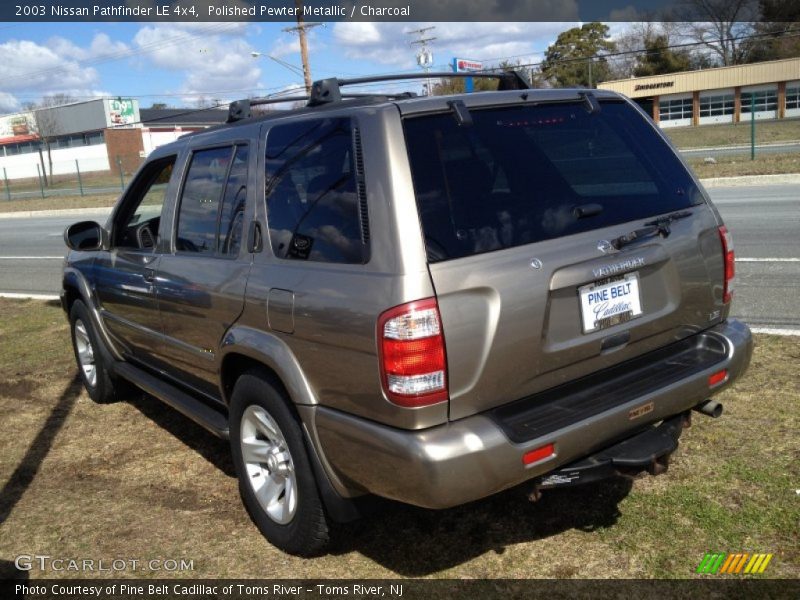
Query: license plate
[610, 302]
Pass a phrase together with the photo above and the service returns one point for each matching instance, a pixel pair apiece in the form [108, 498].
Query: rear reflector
[539, 454]
[729, 263]
[717, 377]
[412, 356]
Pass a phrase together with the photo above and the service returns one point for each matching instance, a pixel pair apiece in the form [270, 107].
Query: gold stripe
[741, 562]
[754, 560]
[765, 563]
[728, 561]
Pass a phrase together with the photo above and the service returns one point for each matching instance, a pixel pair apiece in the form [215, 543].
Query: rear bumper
[474, 457]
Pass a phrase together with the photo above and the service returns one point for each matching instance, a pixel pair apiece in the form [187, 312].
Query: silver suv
[425, 299]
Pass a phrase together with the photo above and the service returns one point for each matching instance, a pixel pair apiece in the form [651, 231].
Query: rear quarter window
[518, 173]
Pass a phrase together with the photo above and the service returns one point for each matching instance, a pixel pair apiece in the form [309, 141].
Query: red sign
[468, 65]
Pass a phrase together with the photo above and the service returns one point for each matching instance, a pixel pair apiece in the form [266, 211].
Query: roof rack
[241, 109]
[325, 91]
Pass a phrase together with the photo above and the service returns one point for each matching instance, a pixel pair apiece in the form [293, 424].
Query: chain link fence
[36, 177]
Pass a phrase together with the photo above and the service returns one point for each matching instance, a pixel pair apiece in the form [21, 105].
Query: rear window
[517, 175]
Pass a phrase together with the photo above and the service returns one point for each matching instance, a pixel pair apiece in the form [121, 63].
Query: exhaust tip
[710, 408]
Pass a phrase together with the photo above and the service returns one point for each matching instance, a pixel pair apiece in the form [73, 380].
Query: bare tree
[48, 126]
[721, 25]
[630, 44]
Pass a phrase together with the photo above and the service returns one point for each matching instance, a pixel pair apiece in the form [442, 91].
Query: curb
[740, 146]
[745, 180]
[64, 212]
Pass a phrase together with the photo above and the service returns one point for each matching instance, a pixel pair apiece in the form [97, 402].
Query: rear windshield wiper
[663, 222]
[658, 226]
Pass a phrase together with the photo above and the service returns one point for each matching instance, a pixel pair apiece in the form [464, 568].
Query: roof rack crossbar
[325, 91]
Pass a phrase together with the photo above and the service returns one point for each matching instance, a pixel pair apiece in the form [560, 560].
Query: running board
[199, 412]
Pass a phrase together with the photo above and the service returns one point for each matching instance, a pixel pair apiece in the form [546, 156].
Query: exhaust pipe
[709, 408]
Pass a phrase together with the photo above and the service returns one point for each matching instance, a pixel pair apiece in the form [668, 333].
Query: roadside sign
[463, 65]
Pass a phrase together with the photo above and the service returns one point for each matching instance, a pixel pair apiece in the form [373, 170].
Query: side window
[313, 206]
[200, 201]
[136, 224]
[231, 216]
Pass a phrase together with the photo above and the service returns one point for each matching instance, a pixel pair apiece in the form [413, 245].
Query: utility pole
[424, 54]
[300, 30]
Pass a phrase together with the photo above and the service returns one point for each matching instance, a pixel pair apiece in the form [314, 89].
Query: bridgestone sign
[653, 86]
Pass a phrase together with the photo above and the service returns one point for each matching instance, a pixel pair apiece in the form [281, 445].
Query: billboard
[20, 125]
[121, 111]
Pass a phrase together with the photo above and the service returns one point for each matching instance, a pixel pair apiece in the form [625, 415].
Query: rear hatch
[529, 214]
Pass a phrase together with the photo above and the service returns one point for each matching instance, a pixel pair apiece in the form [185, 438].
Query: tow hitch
[648, 451]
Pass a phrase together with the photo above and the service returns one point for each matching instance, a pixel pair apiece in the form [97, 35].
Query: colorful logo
[733, 564]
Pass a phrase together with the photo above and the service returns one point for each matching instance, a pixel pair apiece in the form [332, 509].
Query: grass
[137, 480]
[731, 134]
[736, 166]
[58, 203]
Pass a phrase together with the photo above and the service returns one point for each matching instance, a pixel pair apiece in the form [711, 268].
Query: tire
[93, 362]
[276, 479]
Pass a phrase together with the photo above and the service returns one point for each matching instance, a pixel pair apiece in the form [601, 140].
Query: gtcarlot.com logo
[742, 563]
[41, 562]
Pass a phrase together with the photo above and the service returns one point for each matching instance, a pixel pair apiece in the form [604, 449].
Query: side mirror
[86, 235]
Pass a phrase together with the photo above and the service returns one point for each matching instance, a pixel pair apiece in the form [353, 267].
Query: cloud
[30, 70]
[102, 46]
[389, 43]
[210, 58]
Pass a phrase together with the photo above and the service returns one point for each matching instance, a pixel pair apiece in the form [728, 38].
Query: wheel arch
[245, 348]
[76, 287]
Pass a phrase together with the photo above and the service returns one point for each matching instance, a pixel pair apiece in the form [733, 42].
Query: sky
[182, 63]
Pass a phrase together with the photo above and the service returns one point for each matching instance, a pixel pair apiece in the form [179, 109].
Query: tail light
[412, 357]
[728, 260]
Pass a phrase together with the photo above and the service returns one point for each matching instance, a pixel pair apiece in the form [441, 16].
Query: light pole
[283, 63]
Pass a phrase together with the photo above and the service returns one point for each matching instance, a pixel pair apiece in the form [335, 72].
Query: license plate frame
[609, 302]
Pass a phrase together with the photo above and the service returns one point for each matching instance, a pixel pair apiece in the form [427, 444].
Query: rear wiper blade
[658, 226]
[663, 222]
[634, 235]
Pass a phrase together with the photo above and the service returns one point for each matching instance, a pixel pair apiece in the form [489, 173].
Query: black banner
[358, 10]
[405, 589]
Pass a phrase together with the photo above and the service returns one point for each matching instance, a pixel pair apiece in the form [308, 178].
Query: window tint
[199, 208]
[313, 208]
[231, 217]
[136, 225]
[516, 175]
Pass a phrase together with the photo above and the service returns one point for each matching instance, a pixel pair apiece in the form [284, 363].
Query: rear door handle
[149, 275]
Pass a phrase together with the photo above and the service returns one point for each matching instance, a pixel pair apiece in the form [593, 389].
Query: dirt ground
[136, 480]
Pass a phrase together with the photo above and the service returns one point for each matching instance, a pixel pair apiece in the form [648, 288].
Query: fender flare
[73, 278]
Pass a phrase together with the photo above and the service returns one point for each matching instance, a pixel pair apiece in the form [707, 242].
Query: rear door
[526, 214]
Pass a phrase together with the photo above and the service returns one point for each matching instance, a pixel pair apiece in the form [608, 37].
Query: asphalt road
[764, 220]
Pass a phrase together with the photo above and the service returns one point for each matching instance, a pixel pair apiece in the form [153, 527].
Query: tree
[48, 125]
[457, 85]
[659, 59]
[158, 105]
[721, 25]
[576, 57]
[778, 17]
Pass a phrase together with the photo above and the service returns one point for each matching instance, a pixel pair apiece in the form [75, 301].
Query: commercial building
[90, 133]
[104, 134]
[163, 125]
[771, 90]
